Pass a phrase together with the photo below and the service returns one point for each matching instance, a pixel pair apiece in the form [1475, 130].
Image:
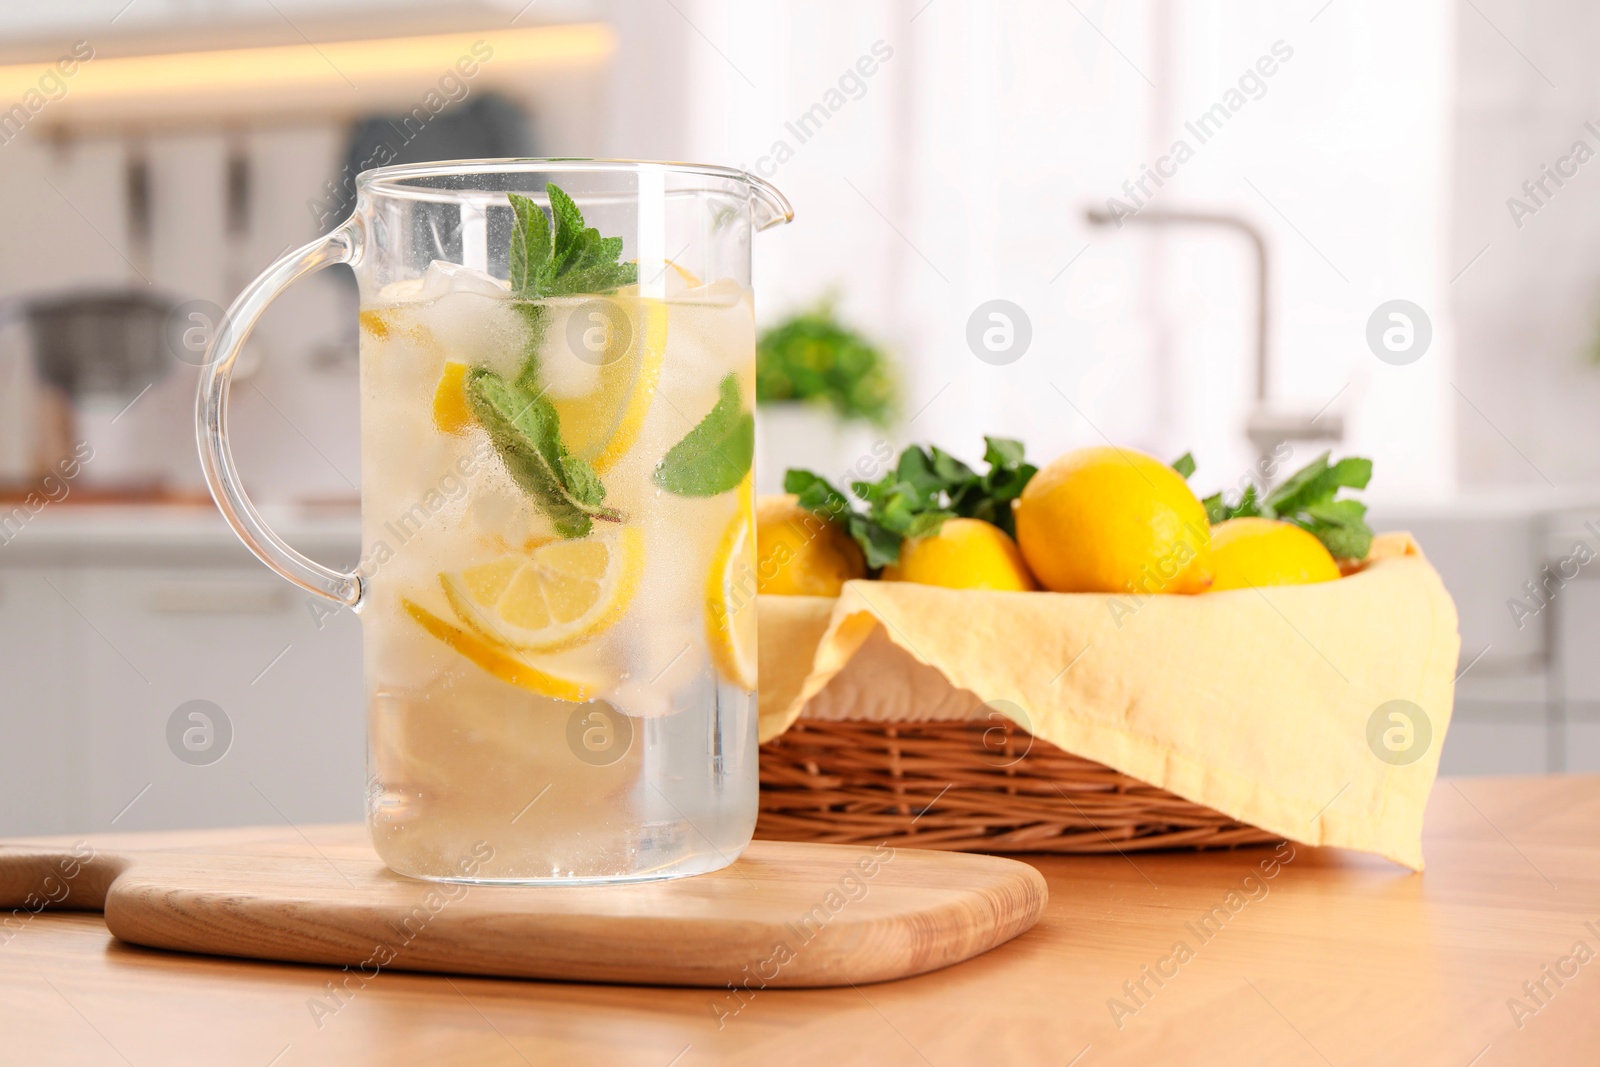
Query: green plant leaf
[926, 489]
[530, 244]
[916, 469]
[1247, 506]
[1306, 498]
[526, 433]
[1002, 452]
[1184, 465]
[812, 357]
[815, 494]
[574, 259]
[713, 457]
[881, 547]
[951, 470]
[928, 522]
[1317, 481]
[1341, 526]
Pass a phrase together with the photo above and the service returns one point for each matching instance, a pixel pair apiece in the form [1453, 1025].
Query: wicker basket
[971, 786]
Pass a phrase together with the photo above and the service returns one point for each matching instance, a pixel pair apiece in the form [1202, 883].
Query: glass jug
[556, 586]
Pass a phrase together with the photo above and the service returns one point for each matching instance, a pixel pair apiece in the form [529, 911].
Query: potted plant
[826, 392]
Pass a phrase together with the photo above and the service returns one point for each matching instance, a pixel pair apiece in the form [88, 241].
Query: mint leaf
[1306, 498]
[1219, 510]
[1002, 452]
[569, 222]
[813, 493]
[950, 469]
[1341, 526]
[573, 259]
[715, 456]
[530, 244]
[583, 484]
[928, 523]
[526, 432]
[916, 471]
[1317, 482]
[926, 488]
[880, 546]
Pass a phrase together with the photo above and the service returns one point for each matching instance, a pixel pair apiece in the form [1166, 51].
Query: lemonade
[557, 576]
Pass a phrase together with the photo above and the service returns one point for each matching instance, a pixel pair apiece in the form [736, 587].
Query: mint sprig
[716, 454]
[926, 488]
[526, 431]
[1307, 499]
[572, 259]
[567, 259]
[522, 424]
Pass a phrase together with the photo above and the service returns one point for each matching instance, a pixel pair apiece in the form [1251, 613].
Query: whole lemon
[962, 554]
[1113, 520]
[799, 554]
[1251, 552]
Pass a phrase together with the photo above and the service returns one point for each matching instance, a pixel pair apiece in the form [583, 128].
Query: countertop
[1333, 958]
[179, 535]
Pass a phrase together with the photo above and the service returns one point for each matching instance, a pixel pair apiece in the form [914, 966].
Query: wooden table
[1336, 958]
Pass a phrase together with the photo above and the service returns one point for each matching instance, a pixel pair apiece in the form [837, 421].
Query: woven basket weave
[968, 786]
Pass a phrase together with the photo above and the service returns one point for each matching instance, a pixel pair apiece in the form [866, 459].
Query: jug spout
[768, 206]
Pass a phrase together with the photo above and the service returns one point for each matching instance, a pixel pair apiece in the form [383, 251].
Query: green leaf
[574, 259]
[526, 432]
[928, 523]
[896, 509]
[1219, 510]
[951, 471]
[713, 457]
[916, 470]
[1341, 526]
[813, 357]
[814, 493]
[1307, 499]
[1318, 481]
[1184, 465]
[880, 546]
[530, 244]
[1002, 452]
[927, 488]
[569, 221]
[582, 482]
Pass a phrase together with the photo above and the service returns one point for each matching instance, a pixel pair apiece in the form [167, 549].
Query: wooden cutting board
[785, 914]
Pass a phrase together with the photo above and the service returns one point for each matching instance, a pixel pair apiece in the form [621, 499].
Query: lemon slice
[688, 276]
[552, 596]
[499, 662]
[731, 597]
[375, 322]
[388, 322]
[603, 424]
[451, 413]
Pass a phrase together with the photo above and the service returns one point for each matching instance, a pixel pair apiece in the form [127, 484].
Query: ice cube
[440, 278]
[568, 367]
[443, 277]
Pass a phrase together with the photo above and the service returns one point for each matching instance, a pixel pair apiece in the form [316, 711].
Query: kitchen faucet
[1264, 427]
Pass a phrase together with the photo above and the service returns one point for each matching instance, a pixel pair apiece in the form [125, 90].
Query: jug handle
[342, 245]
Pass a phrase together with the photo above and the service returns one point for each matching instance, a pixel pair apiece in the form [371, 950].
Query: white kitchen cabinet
[1511, 745]
[244, 641]
[40, 679]
[104, 635]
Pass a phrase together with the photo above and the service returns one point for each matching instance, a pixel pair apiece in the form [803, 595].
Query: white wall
[1529, 309]
[962, 173]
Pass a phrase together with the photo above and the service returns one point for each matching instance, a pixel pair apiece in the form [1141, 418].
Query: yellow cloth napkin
[1255, 702]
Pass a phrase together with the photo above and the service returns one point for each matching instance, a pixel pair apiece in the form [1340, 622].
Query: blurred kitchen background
[1337, 155]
